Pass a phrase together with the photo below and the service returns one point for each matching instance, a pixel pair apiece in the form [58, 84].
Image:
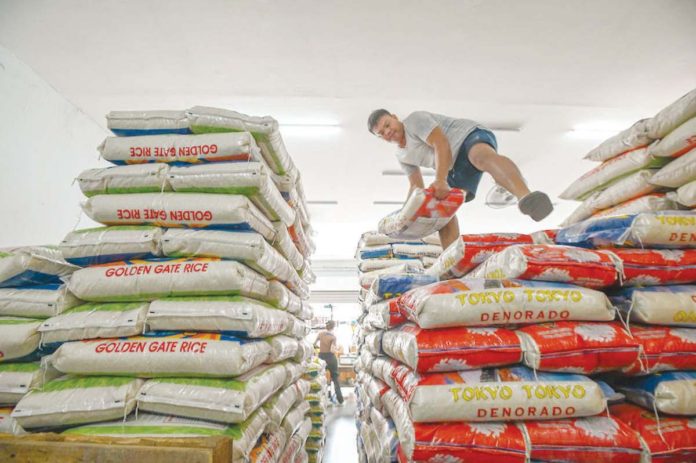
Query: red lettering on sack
[131, 270]
[196, 347]
[128, 214]
[682, 237]
[139, 151]
[196, 267]
[191, 216]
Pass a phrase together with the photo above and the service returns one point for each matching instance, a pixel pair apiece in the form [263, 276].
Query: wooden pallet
[56, 448]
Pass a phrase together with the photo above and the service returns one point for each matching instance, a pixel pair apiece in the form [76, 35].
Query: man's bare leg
[449, 233]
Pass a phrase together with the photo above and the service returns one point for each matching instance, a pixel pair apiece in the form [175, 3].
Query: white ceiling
[546, 66]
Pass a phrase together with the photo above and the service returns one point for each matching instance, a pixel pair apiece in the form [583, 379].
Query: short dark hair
[330, 324]
[374, 118]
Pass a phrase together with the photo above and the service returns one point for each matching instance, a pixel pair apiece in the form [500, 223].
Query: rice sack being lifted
[564, 264]
[422, 214]
[479, 302]
[658, 305]
[672, 392]
[153, 279]
[663, 348]
[163, 354]
[452, 349]
[578, 347]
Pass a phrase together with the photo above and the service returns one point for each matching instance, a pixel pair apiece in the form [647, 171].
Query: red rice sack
[652, 267]
[667, 440]
[452, 349]
[599, 439]
[478, 302]
[422, 214]
[584, 267]
[663, 349]
[578, 347]
[466, 253]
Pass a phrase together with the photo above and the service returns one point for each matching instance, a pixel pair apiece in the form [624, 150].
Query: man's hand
[440, 189]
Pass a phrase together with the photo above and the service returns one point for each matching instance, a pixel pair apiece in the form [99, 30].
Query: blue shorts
[464, 174]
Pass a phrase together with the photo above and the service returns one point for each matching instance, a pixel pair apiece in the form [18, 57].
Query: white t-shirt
[418, 126]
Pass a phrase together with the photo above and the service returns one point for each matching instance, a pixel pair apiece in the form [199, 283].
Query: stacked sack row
[514, 361]
[198, 324]
[651, 166]
[318, 401]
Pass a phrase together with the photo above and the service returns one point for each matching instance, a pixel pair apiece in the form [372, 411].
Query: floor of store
[341, 431]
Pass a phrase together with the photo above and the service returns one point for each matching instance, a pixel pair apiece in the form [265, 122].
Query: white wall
[45, 141]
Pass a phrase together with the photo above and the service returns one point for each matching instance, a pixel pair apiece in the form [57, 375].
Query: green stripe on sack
[240, 299]
[147, 430]
[5, 254]
[18, 321]
[86, 383]
[125, 190]
[20, 367]
[232, 190]
[105, 307]
[208, 382]
[116, 228]
[153, 296]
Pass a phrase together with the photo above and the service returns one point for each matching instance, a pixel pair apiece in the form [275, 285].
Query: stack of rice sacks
[318, 402]
[651, 166]
[193, 292]
[31, 290]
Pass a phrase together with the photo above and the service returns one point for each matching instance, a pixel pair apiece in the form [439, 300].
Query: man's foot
[537, 205]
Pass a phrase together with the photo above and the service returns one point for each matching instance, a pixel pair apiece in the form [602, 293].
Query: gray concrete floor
[341, 431]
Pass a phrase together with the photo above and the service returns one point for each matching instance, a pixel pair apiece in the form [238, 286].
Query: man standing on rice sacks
[459, 150]
[327, 348]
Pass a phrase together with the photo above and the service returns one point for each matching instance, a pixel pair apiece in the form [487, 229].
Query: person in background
[459, 150]
[327, 352]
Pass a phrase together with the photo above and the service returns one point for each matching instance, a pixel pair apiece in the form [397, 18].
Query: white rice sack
[610, 171]
[583, 211]
[32, 265]
[475, 302]
[305, 350]
[630, 187]
[307, 274]
[375, 389]
[677, 142]
[95, 320]
[280, 404]
[630, 139]
[416, 251]
[247, 247]
[302, 240]
[649, 203]
[137, 178]
[133, 123]
[294, 372]
[153, 355]
[146, 425]
[686, 194]
[673, 115]
[245, 178]
[264, 130]
[176, 210]
[678, 172]
[295, 417]
[223, 400]
[9, 425]
[367, 278]
[232, 315]
[671, 392]
[298, 329]
[371, 265]
[422, 214]
[282, 348]
[179, 148]
[155, 279]
[373, 341]
[296, 444]
[36, 301]
[69, 401]
[303, 388]
[269, 446]
[17, 379]
[382, 251]
[280, 296]
[18, 337]
[659, 305]
[102, 245]
[284, 244]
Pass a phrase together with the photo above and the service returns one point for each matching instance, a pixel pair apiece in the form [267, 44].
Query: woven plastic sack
[180, 149]
[658, 305]
[673, 393]
[284, 244]
[680, 141]
[249, 248]
[630, 187]
[70, 401]
[145, 425]
[17, 379]
[294, 372]
[374, 238]
[452, 349]
[102, 245]
[140, 178]
[649, 203]
[678, 172]
[686, 194]
[162, 355]
[175, 210]
[31, 266]
[294, 418]
[388, 286]
[373, 342]
[611, 171]
[422, 214]
[223, 400]
[386, 438]
[649, 267]
[280, 404]
[478, 302]
[416, 251]
[382, 251]
[264, 130]
[298, 329]
[375, 389]
[467, 252]
[627, 140]
[663, 349]
[9, 425]
[469, 442]
[280, 296]
[373, 265]
[671, 229]
[36, 301]
[302, 240]
[665, 439]
[598, 439]
[18, 337]
[578, 347]
[154, 279]
[502, 394]
[248, 179]
[282, 348]
[585, 210]
[296, 443]
[269, 446]
[673, 115]
[95, 320]
[384, 315]
[133, 123]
